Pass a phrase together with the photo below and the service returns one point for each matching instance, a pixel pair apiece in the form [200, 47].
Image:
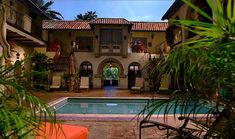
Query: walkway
[103, 129]
[107, 92]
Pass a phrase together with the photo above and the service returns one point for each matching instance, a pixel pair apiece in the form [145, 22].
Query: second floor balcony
[17, 19]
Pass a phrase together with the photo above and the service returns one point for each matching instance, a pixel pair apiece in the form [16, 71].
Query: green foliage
[200, 66]
[40, 70]
[111, 73]
[21, 113]
[46, 8]
[88, 16]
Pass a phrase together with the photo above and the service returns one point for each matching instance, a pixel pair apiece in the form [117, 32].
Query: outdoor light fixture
[17, 55]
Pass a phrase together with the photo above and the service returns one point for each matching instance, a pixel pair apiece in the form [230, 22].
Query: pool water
[110, 106]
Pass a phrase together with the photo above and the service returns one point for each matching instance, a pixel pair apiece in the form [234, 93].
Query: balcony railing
[110, 48]
[20, 20]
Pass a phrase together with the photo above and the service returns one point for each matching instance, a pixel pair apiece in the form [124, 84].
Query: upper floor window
[139, 45]
[111, 39]
[84, 44]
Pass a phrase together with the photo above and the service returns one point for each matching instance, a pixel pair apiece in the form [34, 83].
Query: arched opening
[133, 72]
[110, 70]
[85, 70]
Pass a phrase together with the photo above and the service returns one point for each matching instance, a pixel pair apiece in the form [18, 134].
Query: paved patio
[106, 129]
[106, 92]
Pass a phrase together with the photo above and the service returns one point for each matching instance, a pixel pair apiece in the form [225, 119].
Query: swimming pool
[111, 106]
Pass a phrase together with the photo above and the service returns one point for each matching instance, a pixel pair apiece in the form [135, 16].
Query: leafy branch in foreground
[200, 68]
[21, 113]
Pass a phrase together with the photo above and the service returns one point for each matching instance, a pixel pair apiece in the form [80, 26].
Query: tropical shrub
[40, 67]
[21, 113]
[200, 68]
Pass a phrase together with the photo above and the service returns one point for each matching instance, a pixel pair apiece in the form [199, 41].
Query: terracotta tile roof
[111, 21]
[149, 26]
[86, 25]
[55, 24]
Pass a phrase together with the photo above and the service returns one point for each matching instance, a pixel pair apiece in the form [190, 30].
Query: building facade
[111, 51]
[180, 11]
[21, 30]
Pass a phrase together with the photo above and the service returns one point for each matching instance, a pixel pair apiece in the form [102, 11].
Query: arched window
[86, 69]
[135, 67]
[133, 72]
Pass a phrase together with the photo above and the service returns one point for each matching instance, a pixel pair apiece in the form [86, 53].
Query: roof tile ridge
[147, 22]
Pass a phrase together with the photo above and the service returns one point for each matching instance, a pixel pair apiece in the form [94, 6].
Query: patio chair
[199, 127]
[84, 83]
[138, 84]
[56, 82]
[146, 123]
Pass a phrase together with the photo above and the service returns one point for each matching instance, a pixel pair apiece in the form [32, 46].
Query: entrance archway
[110, 70]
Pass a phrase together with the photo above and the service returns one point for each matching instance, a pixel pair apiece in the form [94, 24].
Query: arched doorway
[110, 71]
[133, 72]
[85, 70]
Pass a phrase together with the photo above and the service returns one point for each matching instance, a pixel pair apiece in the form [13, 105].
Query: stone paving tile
[51, 96]
[117, 130]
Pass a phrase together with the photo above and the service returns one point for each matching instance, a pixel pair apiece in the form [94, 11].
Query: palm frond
[19, 110]
[197, 68]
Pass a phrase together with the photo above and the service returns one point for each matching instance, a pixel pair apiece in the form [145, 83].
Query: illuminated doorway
[111, 74]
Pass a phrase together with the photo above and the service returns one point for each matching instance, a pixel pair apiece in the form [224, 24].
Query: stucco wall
[96, 58]
[156, 38]
[66, 37]
[80, 57]
[181, 13]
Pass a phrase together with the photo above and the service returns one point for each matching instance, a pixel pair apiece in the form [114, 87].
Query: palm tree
[203, 66]
[46, 8]
[88, 16]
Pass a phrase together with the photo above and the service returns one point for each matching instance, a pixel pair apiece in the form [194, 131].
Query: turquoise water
[114, 106]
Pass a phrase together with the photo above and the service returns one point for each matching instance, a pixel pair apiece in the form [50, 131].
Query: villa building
[110, 51]
[104, 44]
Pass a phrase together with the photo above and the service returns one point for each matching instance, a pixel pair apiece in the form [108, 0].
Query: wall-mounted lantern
[17, 55]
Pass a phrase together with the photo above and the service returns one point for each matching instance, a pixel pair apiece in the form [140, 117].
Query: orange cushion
[70, 131]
